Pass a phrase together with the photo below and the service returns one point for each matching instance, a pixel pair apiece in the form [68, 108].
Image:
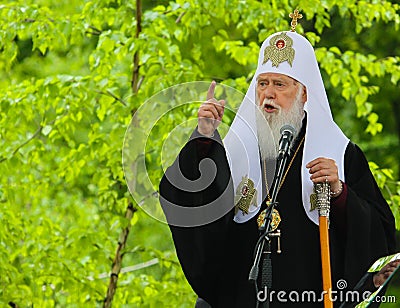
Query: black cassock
[216, 258]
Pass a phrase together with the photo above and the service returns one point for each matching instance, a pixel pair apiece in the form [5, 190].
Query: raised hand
[210, 113]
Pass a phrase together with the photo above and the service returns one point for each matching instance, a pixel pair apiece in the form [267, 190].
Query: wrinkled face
[277, 92]
[280, 101]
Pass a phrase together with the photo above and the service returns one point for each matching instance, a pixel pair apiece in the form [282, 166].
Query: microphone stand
[263, 245]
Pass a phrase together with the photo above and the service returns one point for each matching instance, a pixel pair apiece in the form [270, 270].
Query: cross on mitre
[295, 15]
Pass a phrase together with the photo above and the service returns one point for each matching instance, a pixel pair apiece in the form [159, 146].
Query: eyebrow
[278, 79]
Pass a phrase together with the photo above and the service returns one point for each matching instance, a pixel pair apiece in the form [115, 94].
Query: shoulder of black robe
[370, 232]
[199, 248]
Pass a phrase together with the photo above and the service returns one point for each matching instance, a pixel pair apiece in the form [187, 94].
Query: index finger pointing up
[211, 89]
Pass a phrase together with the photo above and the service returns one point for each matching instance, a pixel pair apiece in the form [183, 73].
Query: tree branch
[117, 263]
[178, 20]
[136, 66]
[109, 93]
[95, 31]
[37, 132]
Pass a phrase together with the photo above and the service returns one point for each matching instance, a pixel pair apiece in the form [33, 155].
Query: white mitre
[291, 54]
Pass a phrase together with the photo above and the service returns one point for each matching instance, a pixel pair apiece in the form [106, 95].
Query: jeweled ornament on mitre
[279, 50]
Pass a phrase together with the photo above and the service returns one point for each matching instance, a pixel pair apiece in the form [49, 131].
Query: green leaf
[46, 130]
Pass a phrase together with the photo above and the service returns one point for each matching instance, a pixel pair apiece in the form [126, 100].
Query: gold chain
[287, 170]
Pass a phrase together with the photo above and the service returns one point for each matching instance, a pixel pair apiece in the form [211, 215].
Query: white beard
[269, 125]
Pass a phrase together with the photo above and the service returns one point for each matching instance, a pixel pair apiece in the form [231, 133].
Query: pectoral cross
[295, 15]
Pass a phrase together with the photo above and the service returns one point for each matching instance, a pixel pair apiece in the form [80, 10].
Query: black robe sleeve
[200, 247]
[370, 227]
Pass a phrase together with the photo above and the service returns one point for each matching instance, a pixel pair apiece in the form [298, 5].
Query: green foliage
[386, 182]
[66, 101]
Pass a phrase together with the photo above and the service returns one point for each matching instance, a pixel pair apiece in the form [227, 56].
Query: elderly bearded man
[217, 254]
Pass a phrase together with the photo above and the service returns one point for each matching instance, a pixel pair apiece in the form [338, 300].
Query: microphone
[287, 133]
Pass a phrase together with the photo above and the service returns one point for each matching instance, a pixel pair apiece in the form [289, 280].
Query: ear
[304, 95]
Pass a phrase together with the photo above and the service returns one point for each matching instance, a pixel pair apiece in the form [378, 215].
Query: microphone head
[288, 129]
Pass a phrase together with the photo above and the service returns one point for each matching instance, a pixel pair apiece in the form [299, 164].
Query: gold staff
[322, 192]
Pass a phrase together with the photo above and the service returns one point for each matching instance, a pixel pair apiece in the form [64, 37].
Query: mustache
[271, 103]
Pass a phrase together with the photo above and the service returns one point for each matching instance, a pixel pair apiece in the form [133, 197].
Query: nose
[268, 93]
